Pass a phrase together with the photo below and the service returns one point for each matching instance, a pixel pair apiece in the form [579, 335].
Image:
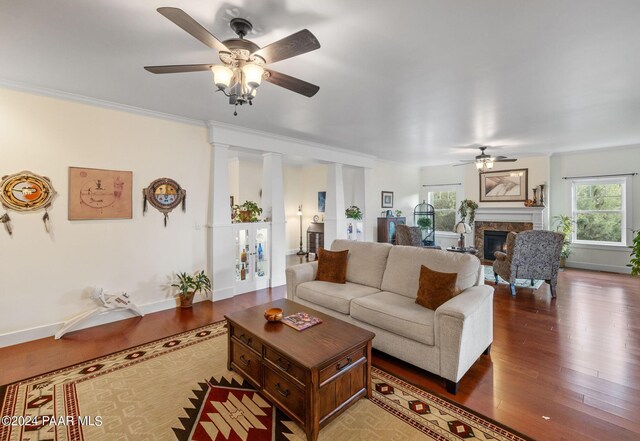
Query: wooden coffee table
[311, 375]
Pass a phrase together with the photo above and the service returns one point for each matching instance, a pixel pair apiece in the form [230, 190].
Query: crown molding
[52, 93]
[252, 139]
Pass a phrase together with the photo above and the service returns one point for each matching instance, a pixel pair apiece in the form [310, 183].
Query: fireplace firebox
[494, 241]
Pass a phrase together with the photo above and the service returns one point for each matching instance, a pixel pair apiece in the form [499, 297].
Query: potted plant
[247, 212]
[467, 208]
[353, 212]
[188, 285]
[398, 213]
[564, 225]
[635, 255]
[424, 223]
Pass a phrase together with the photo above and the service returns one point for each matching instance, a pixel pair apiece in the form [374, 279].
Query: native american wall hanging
[25, 191]
[100, 194]
[164, 195]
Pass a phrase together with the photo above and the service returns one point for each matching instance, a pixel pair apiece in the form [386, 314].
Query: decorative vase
[535, 196]
[186, 300]
[542, 195]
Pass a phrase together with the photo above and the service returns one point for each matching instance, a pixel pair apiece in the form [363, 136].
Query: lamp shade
[462, 228]
[221, 76]
[252, 74]
[489, 165]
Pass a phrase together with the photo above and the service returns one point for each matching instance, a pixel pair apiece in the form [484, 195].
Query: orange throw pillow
[436, 288]
[332, 266]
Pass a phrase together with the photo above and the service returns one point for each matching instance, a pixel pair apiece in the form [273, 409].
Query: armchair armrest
[464, 330]
[499, 255]
[297, 274]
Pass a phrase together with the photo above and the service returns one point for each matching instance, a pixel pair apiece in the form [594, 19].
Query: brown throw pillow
[332, 266]
[436, 288]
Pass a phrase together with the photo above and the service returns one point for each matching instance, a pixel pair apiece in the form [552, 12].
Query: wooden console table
[311, 375]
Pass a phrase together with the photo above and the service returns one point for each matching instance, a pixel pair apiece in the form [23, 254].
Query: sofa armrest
[499, 255]
[297, 274]
[464, 330]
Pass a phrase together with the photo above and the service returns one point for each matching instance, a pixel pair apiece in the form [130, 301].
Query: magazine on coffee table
[301, 321]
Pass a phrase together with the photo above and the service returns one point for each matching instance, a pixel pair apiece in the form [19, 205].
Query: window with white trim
[601, 210]
[445, 204]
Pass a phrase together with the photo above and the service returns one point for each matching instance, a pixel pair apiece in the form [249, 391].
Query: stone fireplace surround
[505, 219]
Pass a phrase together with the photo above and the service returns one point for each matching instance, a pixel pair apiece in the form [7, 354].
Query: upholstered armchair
[406, 235]
[532, 254]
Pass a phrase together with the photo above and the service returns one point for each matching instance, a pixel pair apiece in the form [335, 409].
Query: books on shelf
[301, 321]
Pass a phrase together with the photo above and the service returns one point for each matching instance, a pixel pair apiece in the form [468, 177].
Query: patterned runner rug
[179, 388]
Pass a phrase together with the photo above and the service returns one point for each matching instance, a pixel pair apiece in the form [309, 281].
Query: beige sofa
[380, 293]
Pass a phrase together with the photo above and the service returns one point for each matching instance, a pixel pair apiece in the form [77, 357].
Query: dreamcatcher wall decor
[25, 191]
[164, 194]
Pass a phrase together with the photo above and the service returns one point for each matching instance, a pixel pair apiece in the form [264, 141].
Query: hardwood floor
[565, 369]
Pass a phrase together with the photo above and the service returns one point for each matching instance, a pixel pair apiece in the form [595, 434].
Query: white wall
[611, 161]
[45, 279]
[403, 181]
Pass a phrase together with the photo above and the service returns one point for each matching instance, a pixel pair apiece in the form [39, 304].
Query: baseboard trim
[599, 267]
[38, 332]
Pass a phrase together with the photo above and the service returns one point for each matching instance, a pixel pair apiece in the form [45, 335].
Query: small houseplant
[247, 212]
[564, 225]
[635, 255]
[188, 285]
[398, 213]
[467, 208]
[353, 212]
[424, 223]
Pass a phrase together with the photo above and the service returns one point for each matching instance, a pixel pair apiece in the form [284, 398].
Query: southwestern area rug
[179, 388]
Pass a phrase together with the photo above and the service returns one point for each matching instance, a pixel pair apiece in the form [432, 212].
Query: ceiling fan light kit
[243, 62]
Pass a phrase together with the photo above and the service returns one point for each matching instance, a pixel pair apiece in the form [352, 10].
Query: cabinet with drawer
[310, 385]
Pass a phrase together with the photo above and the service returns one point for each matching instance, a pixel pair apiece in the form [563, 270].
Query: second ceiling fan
[243, 62]
[485, 161]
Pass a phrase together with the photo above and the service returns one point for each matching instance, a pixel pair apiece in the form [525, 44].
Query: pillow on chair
[332, 266]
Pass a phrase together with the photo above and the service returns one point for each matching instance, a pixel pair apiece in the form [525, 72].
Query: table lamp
[461, 228]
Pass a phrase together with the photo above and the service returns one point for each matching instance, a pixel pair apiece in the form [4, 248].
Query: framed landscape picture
[99, 194]
[322, 198]
[387, 199]
[504, 186]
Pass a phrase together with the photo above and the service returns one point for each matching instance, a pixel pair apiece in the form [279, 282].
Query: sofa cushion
[435, 288]
[402, 274]
[395, 313]
[334, 296]
[367, 261]
[332, 266]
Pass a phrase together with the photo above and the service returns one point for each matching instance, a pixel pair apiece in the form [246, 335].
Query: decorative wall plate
[25, 191]
[164, 195]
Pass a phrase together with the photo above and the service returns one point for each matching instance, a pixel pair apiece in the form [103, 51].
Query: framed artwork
[322, 197]
[387, 199]
[99, 194]
[504, 185]
[25, 191]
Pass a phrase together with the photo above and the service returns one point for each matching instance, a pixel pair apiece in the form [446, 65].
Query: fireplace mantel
[534, 215]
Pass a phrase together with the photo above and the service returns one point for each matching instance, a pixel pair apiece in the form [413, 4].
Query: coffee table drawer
[285, 393]
[341, 364]
[285, 365]
[247, 361]
[246, 338]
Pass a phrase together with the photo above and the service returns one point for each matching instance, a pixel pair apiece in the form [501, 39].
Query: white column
[334, 219]
[363, 201]
[221, 251]
[273, 207]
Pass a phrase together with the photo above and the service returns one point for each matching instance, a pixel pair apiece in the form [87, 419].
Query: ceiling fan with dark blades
[243, 62]
[484, 161]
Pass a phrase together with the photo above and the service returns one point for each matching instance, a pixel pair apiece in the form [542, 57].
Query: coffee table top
[310, 347]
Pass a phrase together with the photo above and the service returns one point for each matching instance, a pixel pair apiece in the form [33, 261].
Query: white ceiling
[402, 80]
